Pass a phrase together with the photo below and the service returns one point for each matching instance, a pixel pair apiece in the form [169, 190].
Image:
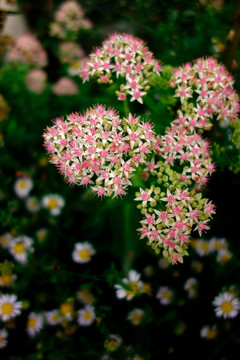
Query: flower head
[86, 316]
[3, 338]
[23, 186]
[34, 323]
[99, 149]
[53, 317]
[20, 247]
[27, 50]
[165, 295]
[135, 316]
[226, 305]
[83, 252]
[54, 203]
[208, 332]
[36, 80]
[126, 57]
[130, 287]
[9, 307]
[65, 86]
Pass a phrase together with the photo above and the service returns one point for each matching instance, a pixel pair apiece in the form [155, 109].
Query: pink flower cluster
[205, 88]
[69, 19]
[126, 57]
[65, 86]
[36, 80]
[69, 52]
[28, 50]
[99, 149]
[170, 228]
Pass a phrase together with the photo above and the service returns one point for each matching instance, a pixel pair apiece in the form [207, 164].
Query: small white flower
[23, 186]
[20, 247]
[9, 307]
[86, 316]
[191, 287]
[34, 324]
[165, 295]
[135, 316]
[82, 252]
[32, 204]
[131, 286]
[3, 337]
[53, 317]
[5, 240]
[208, 332]
[203, 247]
[85, 296]
[224, 256]
[41, 234]
[54, 203]
[227, 305]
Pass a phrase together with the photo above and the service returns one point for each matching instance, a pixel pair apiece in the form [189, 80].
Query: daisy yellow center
[7, 309]
[205, 246]
[31, 322]
[87, 315]
[87, 296]
[1, 340]
[19, 248]
[5, 240]
[134, 288]
[6, 279]
[52, 203]
[211, 334]
[166, 294]
[136, 318]
[84, 254]
[66, 308]
[227, 307]
[54, 317]
[22, 185]
[75, 65]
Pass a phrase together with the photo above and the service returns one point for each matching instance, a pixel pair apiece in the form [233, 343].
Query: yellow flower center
[205, 246]
[87, 315]
[31, 322]
[134, 288]
[6, 279]
[1, 340]
[136, 318]
[5, 240]
[7, 309]
[166, 294]
[55, 317]
[75, 65]
[66, 308]
[84, 254]
[211, 334]
[19, 248]
[52, 203]
[227, 307]
[22, 184]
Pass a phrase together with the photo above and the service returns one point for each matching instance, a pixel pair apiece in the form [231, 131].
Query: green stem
[129, 241]
[126, 109]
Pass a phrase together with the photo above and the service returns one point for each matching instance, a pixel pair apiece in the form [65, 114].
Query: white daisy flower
[41, 234]
[32, 204]
[86, 316]
[227, 305]
[135, 316]
[203, 247]
[66, 310]
[132, 286]
[208, 332]
[34, 324]
[54, 203]
[23, 186]
[165, 295]
[82, 252]
[52, 317]
[223, 256]
[85, 296]
[9, 307]
[7, 280]
[191, 287]
[3, 337]
[20, 247]
[217, 244]
[5, 240]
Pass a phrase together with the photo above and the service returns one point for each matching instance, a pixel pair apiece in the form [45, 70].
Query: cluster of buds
[70, 52]
[27, 50]
[205, 89]
[69, 19]
[65, 86]
[171, 215]
[99, 149]
[36, 80]
[126, 57]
